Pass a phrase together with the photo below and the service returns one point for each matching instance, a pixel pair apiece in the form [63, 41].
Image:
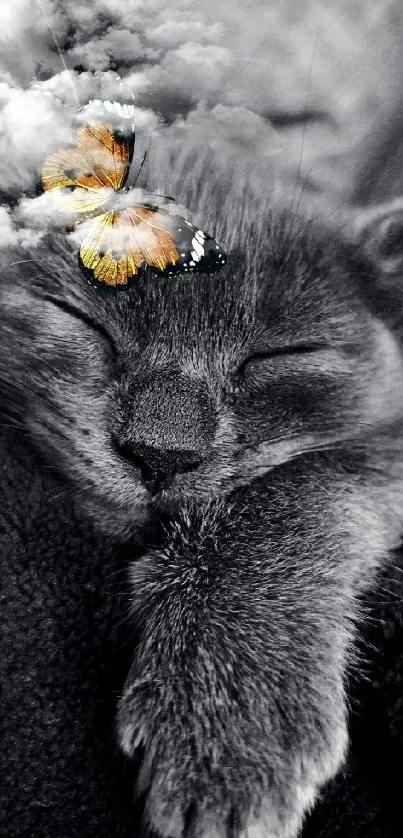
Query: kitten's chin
[127, 522]
[116, 522]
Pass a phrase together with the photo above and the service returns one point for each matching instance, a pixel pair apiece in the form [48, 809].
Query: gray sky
[221, 72]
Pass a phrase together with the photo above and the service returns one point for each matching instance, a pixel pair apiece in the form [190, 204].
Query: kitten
[247, 428]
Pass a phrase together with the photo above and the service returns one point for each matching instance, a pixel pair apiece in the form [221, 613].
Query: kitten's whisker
[295, 208]
[303, 187]
[19, 387]
[61, 56]
[13, 426]
[21, 262]
[351, 219]
[67, 491]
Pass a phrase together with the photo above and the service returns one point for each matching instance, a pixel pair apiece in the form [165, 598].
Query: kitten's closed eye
[84, 317]
[293, 349]
[289, 353]
[292, 370]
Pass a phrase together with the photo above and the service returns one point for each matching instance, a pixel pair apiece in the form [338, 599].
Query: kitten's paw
[236, 693]
[226, 786]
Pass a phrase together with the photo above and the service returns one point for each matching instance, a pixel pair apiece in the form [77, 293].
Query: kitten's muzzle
[169, 429]
[158, 467]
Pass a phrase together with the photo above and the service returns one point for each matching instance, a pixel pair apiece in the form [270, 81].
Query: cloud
[172, 34]
[101, 52]
[217, 85]
[197, 71]
[31, 123]
[12, 236]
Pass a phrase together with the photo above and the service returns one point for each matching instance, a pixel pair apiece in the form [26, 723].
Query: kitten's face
[179, 391]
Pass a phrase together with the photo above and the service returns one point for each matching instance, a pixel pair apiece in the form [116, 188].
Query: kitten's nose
[169, 428]
[158, 466]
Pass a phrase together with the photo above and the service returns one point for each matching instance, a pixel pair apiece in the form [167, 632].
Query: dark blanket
[65, 649]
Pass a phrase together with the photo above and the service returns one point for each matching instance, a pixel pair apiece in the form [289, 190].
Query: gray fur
[246, 600]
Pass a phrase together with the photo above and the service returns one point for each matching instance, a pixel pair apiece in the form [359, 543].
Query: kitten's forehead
[158, 302]
[310, 282]
[290, 281]
[203, 309]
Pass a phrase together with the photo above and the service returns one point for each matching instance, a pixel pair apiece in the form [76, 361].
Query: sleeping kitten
[247, 428]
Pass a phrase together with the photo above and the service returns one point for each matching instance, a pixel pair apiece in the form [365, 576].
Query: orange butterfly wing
[119, 244]
[79, 175]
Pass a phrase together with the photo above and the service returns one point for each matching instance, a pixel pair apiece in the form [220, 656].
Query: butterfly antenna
[141, 166]
[61, 56]
[156, 194]
[167, 197]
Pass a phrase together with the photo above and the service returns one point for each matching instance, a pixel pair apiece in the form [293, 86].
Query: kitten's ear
[379, 231]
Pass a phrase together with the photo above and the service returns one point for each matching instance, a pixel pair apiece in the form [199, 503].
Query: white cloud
[12, 236]
[98, 53]
[218, 72]
[38, 213]
[172, 34]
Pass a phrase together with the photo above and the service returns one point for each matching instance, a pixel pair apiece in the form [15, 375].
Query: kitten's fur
[277, 385]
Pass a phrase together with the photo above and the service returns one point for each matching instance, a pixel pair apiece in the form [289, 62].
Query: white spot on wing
[198, 249]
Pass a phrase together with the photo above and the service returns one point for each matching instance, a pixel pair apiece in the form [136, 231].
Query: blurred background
[311, 90]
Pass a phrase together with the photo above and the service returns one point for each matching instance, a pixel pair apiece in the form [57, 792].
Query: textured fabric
[65, 651]
[62, 664]
[365, 800]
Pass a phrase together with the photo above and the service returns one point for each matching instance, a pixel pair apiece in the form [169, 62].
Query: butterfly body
[122, 237]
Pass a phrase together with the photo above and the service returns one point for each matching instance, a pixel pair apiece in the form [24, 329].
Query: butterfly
[122, 239]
